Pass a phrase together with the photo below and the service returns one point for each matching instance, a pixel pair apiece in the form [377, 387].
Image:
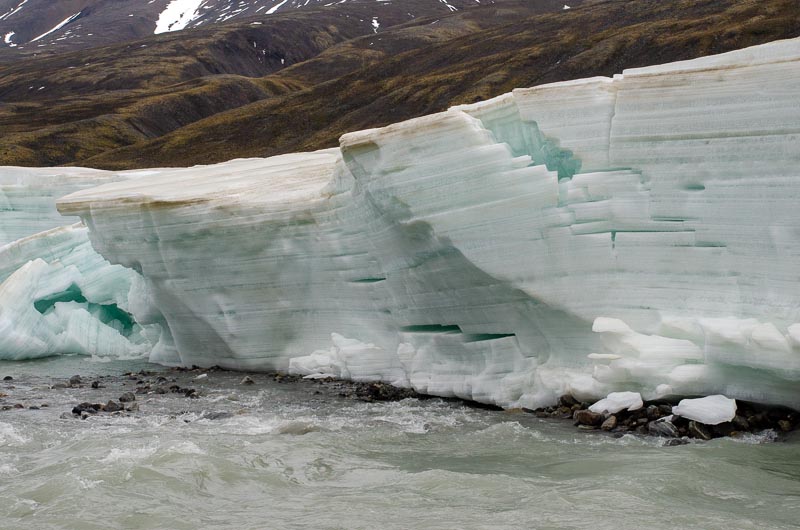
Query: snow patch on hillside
[177, 15]
[15, 10]
[58, 26]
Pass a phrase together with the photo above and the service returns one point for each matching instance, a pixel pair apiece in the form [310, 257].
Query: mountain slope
[44, 27]
[408, 71]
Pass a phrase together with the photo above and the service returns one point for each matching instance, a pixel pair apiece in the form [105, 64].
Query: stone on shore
[588, 417]
[609, 424]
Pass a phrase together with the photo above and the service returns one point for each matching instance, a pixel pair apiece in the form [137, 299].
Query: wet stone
[698, 430]
[75, 380]
[96, 384]
[86, 408]
[127, 397]
[723, 429]
[113, 406]
[609, 424]
[662, 428]
[8, 378]
[741, 423]
[587, 417]
[785, 425]
[568, 401]
[217, 415]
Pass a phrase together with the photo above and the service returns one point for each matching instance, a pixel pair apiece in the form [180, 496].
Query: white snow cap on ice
[616, 401]
[710, 410]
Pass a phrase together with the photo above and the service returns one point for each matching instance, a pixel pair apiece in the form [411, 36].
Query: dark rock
[698, 430]
[33, 407]
[127, 397]
[662, 428]
[587, 417]
[641, 429]
[609, 424]
[113, 406]
[86, 408]
[679, 421]
[665, 410]
[75, 380]
[19, 406]
[723, 429]
[675, 441]
[190, 393]
[217, 415]
[60, 385]
[741, 423]
[785, 425]
[96, 384]
[175, 389]
[567, 401]
[160, 390]
[758, 421]
[386, 392]
[653, 413]
[8, 378]
[133, 407]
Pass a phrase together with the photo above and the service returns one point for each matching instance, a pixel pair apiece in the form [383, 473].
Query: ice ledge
[469, 253]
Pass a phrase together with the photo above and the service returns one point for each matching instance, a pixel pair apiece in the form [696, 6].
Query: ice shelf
[636, 234]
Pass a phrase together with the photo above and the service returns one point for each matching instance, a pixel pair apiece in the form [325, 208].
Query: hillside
[31, 28]
[357, 82]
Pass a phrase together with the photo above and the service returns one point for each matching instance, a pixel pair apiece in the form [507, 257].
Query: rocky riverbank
[137, 392]
[86, 396]
[658, 418]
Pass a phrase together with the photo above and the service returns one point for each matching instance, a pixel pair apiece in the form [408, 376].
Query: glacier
[630, 234]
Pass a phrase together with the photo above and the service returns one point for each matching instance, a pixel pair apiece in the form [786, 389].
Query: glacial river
[279, 455]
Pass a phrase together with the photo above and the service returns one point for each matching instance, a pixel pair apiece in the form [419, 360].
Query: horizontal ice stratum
[637, 234]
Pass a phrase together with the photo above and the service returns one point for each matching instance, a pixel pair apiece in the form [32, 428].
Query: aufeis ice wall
[635, 233]
[57, 295]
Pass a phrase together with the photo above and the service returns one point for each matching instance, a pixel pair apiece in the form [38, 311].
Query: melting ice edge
[640, 233]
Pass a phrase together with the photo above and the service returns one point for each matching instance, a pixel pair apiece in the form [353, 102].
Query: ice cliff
[640, 233]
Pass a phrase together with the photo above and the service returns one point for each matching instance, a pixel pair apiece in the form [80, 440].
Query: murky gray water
[286, 457]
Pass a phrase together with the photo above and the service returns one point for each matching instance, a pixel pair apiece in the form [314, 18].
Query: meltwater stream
[279, 455]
